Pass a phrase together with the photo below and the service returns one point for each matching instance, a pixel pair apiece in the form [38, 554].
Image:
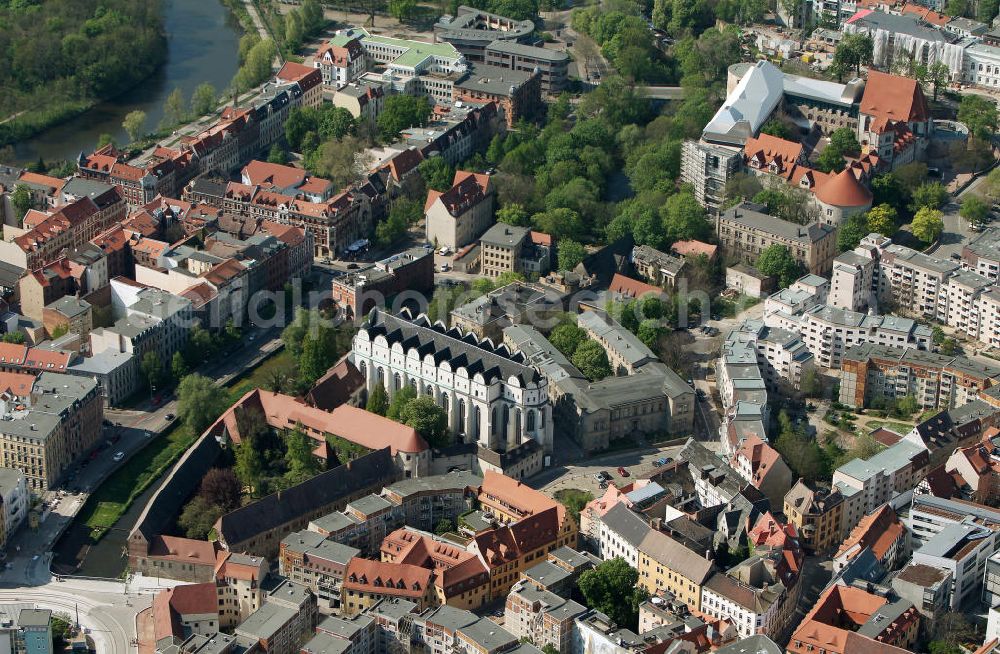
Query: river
[202, 46]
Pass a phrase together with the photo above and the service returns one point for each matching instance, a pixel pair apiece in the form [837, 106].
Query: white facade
[490, 397]
[982, 66]
[14, 491]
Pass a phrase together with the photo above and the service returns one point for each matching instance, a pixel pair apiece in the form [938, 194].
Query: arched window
[397, 381]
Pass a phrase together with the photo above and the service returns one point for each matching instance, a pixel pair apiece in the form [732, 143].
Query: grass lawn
[727, 308]
[112, 498]
[574, 500]
[258, 377]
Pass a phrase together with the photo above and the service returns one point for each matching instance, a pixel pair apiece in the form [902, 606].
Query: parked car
[622, 471]
[119, 456]
[170, 417]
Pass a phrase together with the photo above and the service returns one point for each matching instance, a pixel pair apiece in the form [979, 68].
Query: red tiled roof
[356, 425]
[264, 173]
[386, 578]
[185, 550]
[632, 288]
[514, 494]
[194, 599]
[926, 14]
[891, 98]
[686, 248]
[307, 77]
[540, 238]
[766, 149]
[843, 190]
[877, 530]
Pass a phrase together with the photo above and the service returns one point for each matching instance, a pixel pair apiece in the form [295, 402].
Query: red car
[622, 471]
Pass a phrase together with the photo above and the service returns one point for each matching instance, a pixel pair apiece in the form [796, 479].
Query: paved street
[637, 462]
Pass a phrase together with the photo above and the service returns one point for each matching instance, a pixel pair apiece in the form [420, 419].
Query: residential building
[762, 466]
[745, 232]
[667, 566]
[817, 515]
[311, 559]
[749, 281]
[117, 374]
[882, 477]
[874, 374]
[510, 500]
[491, 397]
[342, 59]
[658, 268]
[48, 423]
[34, 631]
[882, 533]
[516, 92]
[15, 497]
[758, 596]
[461, 214]
[461, 579]
[309, 79]
[373, 285]
[541, 616]
[366, 582]
[872, 623]
[507, 248]
[279, 625]
[620, 533]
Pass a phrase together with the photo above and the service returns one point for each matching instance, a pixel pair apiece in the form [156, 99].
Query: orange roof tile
[844, 190]
[386, 578]
[687, 248]
[891, 98]
[632, 288]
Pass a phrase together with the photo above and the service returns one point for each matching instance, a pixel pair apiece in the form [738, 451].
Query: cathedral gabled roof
[460, 350]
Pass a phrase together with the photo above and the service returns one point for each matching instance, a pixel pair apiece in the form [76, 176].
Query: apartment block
[745, 231]
[541, 616]
[551, 65]
[874, 374]
[879, 479]
[311, 559]
[817, 515]
[461, 214]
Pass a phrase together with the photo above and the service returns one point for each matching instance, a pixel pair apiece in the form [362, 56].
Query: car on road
[170, 417]
[622, 471]
[604, 475]
[119, 456]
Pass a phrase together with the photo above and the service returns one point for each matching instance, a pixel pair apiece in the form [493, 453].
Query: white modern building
[492, 397]
[621, 532]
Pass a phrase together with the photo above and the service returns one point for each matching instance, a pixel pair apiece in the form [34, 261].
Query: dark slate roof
[374, 469]
[460, 350]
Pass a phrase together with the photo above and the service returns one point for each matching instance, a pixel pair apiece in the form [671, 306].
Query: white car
[445, 251]
[118, 456]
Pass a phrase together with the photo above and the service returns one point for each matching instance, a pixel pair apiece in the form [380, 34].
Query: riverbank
[102, 55]
[201, 46]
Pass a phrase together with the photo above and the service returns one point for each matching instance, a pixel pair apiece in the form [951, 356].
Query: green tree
[199, 402]
[957, 8]
[400, 112]
[178, 366]
[937, 76]
[567, 338]
[335, 123]
[979, 114]
[335, 160]
[277, 155]
[257, 66]
[852, 231]
[173, 108]
[927, 224]
[152, 368]
[20, 199]
[221, 487]
[683, 218]
[399, 400]
[844, 141]
[777, 261]
[571, 253]
[299, 459]
[402, 10]
[105, 139]
[443, 526]
[249, 453]
[803, 455]
[14, 337]
[378, 401]
[513, 214]
[613, 589]
[591, 359]
[134, 124]
[882, 219]
[830, 160]
[198, 518]
[974, 209]
[929, 194]
[427, 418]
[437, 173]
[203, 99]
[778, 128]
[854, 51]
